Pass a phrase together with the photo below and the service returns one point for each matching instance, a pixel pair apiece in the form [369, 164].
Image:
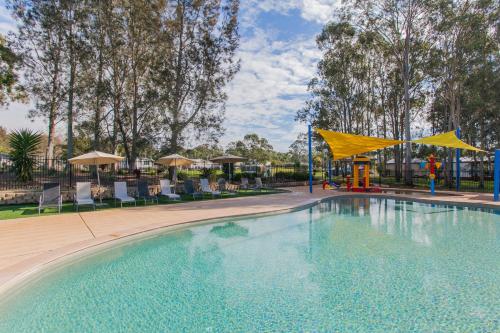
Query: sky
[278, 58]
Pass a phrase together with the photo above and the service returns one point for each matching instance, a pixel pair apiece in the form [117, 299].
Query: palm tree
[24, 145]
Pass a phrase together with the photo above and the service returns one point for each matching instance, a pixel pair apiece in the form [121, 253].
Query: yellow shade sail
[448, 139]
[345, 145]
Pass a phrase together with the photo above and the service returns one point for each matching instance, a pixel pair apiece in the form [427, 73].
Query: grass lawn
[8, 212]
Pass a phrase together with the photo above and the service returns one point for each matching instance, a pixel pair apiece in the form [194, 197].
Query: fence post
[457, 161]
[329, 170]
[309, 137]
[70, 174]
[496, 185]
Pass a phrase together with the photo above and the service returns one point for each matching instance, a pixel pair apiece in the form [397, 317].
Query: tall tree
[40, 44]
[10, 89]
[198, 43]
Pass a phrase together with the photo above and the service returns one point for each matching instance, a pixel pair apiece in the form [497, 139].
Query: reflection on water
[229, 230]
[351, 265]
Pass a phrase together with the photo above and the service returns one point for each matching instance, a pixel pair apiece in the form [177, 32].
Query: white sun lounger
[51, 197]
[122, 194]
[83, 195]
[167, 191]
[205, 188]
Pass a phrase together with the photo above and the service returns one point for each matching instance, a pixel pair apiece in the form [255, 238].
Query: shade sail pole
[329, 170]
[457, 161]
[496, 185]
[309, 137]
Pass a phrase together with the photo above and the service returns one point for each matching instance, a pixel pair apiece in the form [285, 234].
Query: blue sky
[278, 58]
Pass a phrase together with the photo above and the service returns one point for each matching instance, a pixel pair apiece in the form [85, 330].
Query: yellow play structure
[357, 162]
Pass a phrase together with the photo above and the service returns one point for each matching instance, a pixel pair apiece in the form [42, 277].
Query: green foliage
[291, 175]
[250, 175]
[256, 149]
[4, 140]
[24, 147]
[9, 85]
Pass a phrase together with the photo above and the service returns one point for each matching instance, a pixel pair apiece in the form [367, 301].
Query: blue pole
[329, 171]
[496, 185]
[433, 191]
[458, 162]
[309, 136]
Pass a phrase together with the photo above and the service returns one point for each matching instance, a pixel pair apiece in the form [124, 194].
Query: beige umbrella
[175, 160]
[96, 158]
[228, 159]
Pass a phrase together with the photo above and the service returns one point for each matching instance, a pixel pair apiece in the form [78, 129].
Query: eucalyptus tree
[10, 88]
[339, 93]
[465, 71]
[400, 25]
[40, 45]
[93, 74]
[197, 41]
[137, 118]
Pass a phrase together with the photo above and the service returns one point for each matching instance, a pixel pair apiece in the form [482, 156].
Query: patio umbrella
[96, 158]
[228, 159]
[174, 160]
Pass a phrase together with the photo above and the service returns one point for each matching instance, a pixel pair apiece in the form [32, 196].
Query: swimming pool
[350, 265]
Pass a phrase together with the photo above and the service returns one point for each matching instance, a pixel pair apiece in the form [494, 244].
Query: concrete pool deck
[28, 245]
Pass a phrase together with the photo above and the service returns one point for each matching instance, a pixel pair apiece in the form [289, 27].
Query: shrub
[24, 146]
[237, 176]
[290, 175]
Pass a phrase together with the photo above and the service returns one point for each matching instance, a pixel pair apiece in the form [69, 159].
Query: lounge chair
[189, 189]
[83, 195]
[244, 184]
[258, 184]
[223, 188]
[167, 191]
[122, 194]
[51, 197]
[143, 192]
[205, 188]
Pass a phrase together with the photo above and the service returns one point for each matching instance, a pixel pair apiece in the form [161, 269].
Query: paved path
[29, 244]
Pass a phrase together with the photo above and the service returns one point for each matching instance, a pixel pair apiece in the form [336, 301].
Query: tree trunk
[70, 106]
[71, 86]
[481, 163]
[98, 106]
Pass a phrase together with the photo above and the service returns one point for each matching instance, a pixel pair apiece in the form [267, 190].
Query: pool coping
[37, 266]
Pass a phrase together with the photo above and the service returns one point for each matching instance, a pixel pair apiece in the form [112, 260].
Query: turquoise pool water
[356, 265]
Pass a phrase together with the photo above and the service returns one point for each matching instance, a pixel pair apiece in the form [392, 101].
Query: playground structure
[343, 145]
[365, 163]
[432, 165]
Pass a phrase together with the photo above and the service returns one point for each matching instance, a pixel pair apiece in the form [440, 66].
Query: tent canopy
[345, 145]
[448, 139]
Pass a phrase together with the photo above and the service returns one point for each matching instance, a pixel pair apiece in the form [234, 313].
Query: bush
[237, 176]
[149, 171]
[122, 172]
[290, 175]
[24, 146]
[182, 175]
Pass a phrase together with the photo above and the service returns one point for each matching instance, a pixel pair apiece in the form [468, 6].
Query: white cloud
[7, 23]
[271, 86]
[320, 11]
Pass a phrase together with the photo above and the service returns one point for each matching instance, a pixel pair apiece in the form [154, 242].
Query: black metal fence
[470, 180]
[58, 170]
